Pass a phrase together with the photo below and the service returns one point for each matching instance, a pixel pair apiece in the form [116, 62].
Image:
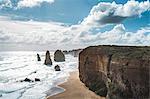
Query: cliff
[116, 72]
[74, 52]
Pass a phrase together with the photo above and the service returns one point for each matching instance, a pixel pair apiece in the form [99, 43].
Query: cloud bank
[110, 13]
[57, 35]
[117, 36]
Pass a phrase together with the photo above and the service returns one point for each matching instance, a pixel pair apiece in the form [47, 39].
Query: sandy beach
[75, 89]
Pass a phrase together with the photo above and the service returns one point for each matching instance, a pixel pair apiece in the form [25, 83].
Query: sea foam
[16, 66]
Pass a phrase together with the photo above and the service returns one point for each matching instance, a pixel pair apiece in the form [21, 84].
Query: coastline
[75, 89]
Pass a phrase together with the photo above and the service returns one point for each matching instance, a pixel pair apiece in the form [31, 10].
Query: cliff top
[120, 51]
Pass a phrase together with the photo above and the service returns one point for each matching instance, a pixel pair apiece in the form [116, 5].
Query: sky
[70, 24]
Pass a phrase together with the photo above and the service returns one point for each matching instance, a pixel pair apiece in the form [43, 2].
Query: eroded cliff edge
[116, 72]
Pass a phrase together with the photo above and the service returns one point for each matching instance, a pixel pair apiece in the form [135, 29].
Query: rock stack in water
[38, 57]
[59, 56]
[48, 60]
[57, 68]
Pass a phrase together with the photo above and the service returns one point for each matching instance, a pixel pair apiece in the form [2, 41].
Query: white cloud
[104, 14]
[107, 13]
[56, 35]
[30, 32]
[119, 36]
[132, 8]
[22, 3]
[5, 3]
[32, 3]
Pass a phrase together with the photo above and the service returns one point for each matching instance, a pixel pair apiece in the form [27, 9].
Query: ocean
[18, 65]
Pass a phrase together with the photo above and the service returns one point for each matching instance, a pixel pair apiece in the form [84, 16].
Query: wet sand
[75, 89]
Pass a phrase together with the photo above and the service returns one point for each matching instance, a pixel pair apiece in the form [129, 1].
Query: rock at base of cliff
[48, 60]
[57, 68]
[59, 56]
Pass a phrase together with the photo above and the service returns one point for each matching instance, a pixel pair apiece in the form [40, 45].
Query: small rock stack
[38, 57]
[48, 60]
[59, 56]
[57, 68]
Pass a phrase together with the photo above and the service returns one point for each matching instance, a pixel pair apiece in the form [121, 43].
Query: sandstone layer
[116, 72]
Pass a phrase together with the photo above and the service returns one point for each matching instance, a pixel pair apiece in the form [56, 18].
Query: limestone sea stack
[48, 60]
[59, 56]
[116, 72]
[38, 57]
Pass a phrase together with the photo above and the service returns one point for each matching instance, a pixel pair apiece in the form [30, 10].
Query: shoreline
[74, 89]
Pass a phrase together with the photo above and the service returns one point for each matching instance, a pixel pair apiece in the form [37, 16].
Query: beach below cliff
[75, 89]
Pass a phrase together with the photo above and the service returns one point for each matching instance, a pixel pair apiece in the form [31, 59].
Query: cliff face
[116, 72]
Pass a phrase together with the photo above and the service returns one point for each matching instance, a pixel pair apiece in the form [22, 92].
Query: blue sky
[65, 11]
[86, 16]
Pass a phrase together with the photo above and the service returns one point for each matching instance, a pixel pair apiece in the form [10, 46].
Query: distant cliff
[74, 52]
[116, 72]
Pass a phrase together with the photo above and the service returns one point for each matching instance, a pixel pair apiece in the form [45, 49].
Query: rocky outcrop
[116, 72]
[38, 57]
[57, 68]
[59, 56]
[27, 80]
[37, 79]
[48, 60]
